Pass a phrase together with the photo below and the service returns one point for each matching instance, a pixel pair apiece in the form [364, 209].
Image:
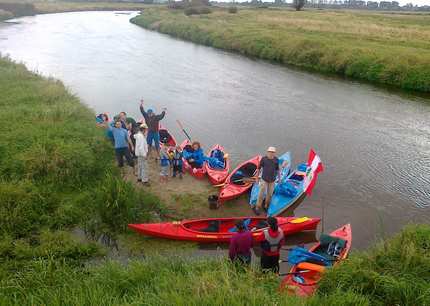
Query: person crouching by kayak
[270, 165]
[141, 151]
[241, 244]
[196, 158]
[121, 143]
[273, 240]
[153, 123]
[177, 162]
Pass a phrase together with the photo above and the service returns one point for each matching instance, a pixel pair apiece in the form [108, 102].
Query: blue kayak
[285, 164]
[288, 191]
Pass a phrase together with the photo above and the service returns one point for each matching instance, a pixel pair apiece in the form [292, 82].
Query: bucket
[213, 202]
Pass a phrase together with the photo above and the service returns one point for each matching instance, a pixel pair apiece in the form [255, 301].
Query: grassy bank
[57, 173]
[391, 49]
[11, 9]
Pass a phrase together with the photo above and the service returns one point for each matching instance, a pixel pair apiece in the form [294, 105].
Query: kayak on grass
[196, 172]
[240, 179]
[296, 185]
[284, 165]
[303, 278]
[217, 164]
[221, 229]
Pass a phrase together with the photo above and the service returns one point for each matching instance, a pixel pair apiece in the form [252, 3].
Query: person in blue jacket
[197, 157]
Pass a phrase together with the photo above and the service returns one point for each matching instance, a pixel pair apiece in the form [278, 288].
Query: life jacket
[271, 244]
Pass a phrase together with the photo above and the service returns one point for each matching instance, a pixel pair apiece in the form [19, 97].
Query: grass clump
[390, 49]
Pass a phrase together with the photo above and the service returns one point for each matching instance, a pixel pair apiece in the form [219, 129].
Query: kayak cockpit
[243, 174]
[223, 225]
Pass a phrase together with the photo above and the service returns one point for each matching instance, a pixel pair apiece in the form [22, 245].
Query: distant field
[385, 48]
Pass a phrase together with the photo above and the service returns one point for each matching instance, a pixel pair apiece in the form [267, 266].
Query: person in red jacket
[241, 244]
[271, 246]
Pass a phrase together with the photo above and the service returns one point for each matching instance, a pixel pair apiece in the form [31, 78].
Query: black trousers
[120, 154]
[269, 263]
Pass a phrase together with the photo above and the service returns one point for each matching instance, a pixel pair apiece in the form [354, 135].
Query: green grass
[56, 169]
[390, 49]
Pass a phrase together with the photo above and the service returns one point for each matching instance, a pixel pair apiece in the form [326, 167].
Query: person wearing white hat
[141, 151]
[270, 165]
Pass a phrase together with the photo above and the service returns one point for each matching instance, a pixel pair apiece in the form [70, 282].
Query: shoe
[147, 184]
[265, 208]
[180, 176]
[139, 180]
[256, 210]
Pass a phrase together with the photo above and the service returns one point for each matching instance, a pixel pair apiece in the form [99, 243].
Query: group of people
[242, 242]
[136, 141]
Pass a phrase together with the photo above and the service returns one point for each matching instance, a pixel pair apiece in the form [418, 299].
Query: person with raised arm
[153, 122]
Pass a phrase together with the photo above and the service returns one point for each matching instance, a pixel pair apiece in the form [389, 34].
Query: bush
[232, 9]
[197, 11]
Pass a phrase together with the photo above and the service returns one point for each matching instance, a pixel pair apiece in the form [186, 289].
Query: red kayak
[196, 172]
[166, 138]
[240, 179]
[220, 229]
[303, 278]
[217, 175]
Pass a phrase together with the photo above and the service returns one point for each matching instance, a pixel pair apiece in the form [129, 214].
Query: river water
[375, 144]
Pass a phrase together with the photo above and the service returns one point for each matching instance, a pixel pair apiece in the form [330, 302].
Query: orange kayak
[303, 278]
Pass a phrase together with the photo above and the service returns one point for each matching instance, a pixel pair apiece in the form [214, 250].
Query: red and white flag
[315, 166]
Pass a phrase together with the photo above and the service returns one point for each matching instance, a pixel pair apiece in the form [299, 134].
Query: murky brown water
[375, 144]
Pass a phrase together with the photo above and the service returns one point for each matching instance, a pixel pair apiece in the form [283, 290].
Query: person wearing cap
[153, 122]
[241, 244]
[141, 151]
[270, 166]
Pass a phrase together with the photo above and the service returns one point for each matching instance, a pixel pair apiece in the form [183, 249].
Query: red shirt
[273, 234]
[240, 244]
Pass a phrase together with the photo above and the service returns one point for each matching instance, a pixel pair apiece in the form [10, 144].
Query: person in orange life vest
[271, 246]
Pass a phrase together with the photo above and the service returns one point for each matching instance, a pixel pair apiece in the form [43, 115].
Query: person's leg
[269, 193]
[149, 139]
[129, 158]
[156, 137]
[275, 268]
[145, 178]
[264, 264]
[175, 169]
[139, 168]
[261, 193]
[119, 157]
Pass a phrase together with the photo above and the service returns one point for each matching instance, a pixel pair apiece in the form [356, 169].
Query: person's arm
[161, 116]
[130, 143]
[142, 110]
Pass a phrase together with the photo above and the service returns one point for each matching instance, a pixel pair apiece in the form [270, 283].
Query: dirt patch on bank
[187, 197]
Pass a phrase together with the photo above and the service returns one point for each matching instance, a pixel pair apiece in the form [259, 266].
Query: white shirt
[141, 148]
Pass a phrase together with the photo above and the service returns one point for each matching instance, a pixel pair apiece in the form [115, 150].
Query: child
[177, 162]
[171, 153]
[164, 163]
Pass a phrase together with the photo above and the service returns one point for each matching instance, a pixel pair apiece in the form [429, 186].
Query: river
[375, 144]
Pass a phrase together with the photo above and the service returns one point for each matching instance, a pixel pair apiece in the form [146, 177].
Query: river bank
[388, 49]
[13, 9]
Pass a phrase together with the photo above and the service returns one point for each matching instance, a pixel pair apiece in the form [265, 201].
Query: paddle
[183, 130]
[298, 272]
[245, 179]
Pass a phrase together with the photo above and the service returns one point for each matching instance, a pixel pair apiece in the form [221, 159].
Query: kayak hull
[311, 278]
[233, 190]
[217, 176]
[199, 173]
[166, 137]
[193, 230]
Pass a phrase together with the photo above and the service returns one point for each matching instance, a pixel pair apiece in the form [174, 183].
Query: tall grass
[56, 168]
[387, 49]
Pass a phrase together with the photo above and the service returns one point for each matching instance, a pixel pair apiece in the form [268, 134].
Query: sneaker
[256, 210]
[139, 180]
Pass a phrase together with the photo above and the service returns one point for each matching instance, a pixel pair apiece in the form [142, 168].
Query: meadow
[383, 48]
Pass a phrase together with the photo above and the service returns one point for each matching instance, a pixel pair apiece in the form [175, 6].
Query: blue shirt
[120, 136]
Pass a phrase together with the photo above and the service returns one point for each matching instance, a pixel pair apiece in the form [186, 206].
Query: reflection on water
[375, 144]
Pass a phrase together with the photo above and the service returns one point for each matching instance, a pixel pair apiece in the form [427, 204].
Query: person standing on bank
[121, 142]
[271, 246]
[241, 244]
[153, 122]
[270, 165]
[141, 151]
